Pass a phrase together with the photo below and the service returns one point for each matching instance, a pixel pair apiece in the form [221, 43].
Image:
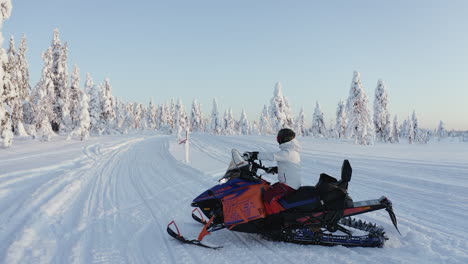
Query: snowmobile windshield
[233, 170]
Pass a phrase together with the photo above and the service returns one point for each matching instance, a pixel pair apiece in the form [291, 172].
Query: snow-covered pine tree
[417, 136]
[152, 115]
[43, 100]
[340, 125]
[144, 117]
[229, 124]
[24, 86]
[75, 97]
[244, 124]
[395, 138]
[82, 120]
[59, 78]
[280, 112]
[137, 115]
[6, 135]
[358, 116]
[301, 129]
[404, 128]
[196, 118]
[66, 123]
[381, 116]
[12, 93]
[318, 122]
[215, 125]
[107, 114]
[441, 131]
[163, 119]
[129, 121]
[254, 129]
[264, 124]
[411, 134]
[180, 118]
[172, 109]
[94, 106]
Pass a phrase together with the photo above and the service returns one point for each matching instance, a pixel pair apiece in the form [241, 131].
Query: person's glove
[273, 170]
[250, 155]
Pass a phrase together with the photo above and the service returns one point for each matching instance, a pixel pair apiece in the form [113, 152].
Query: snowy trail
[109, 201]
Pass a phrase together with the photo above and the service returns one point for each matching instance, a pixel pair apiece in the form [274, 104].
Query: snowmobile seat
[333, 193]
[306, 198]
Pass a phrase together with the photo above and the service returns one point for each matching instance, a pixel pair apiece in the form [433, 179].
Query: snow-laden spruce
[180, 120]
[358, 116]
[395, 138]
[107, 113]
[94, 105]
[318, 123]
[340, 124]
[43, 101]
[441, 132]
[244, 124]
[229, 124]
[280, 111]
[381, 115]
[196, 117]
[152, 115]
[301, 129]
[6, 134]
[264, 125]
[216, 124]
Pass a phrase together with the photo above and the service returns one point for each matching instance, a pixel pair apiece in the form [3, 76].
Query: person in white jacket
[289, 168]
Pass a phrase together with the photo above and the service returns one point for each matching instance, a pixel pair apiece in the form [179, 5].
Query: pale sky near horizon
[237, 50]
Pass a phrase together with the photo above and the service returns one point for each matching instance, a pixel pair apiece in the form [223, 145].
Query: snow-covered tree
[301, 129]
[395, 138]
[416, 133]
[13, 95]
[340, 125]
[280, 111]
[441, 131]
[43, 100]
[94, 106]
[264, 126]
[152, 115]
[411, 134]
[216, 125]
[83, 120]
[404, 128]
[24, 88]
[6, 135]
[358, 116]
[318, 122]
[229, 124]
[244, 125]
[381, 115]
[196, 118]
[74, 97]
[60, 81]
[254, 128]
[180, 120]
[164, 119]
[107, 113]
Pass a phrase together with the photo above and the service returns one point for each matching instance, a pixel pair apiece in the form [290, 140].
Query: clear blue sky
[237, 50]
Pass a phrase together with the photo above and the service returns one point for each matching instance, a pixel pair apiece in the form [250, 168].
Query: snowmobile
[316, 215]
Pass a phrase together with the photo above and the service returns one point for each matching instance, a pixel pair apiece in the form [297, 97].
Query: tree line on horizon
[58, 105]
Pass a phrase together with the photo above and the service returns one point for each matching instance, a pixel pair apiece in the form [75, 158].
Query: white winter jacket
[289, 163]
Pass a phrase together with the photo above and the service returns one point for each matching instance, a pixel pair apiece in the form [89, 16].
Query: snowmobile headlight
[223, 180]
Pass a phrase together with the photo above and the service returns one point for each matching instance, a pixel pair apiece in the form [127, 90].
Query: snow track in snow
[109, 200]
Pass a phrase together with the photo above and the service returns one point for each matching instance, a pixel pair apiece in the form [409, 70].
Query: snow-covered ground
[109, 200]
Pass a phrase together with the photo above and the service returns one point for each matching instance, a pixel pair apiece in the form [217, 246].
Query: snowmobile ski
[197, 242]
